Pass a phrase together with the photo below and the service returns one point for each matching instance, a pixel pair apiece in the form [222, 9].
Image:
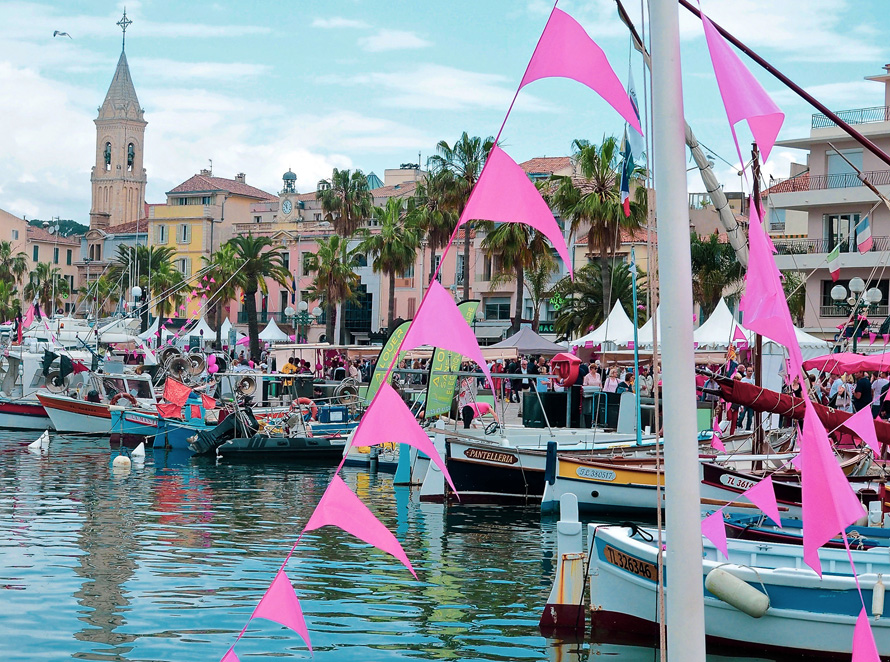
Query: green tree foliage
[346, 200]
[335, 279]
[48, 286]
[715, 270]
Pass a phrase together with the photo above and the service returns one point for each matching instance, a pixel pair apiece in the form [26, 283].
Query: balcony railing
[854, 116]
[812, 246]
[844, 311]
[263, 317]
[822, 182]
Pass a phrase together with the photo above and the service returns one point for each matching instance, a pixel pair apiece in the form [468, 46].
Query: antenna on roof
[211, 167]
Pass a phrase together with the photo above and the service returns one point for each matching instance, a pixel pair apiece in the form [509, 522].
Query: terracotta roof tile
[204, 183]
[39, 234]
[547, 165]
[799, 183]
[128, 228]
[403, 190]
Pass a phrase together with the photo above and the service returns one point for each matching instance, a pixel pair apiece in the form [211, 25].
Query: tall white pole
[684, 601]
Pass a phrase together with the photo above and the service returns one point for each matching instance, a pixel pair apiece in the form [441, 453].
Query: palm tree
[465, 160]
[257, 261]
[429, 210]
[152, 269]
[520, 247]
[335, 281]
[346, 200]
[101, 290]
[593, 200]
[394, 247]
[13, 266]
[223, 268]
[539, 288]
[10, 306]
[584, 298]
[715, 269]
[47, 285]
[796, 294]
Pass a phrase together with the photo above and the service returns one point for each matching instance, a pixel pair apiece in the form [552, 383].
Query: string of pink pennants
[829, 503]
[503, 194]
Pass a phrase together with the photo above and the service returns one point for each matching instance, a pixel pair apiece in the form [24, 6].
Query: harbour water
[167, 562]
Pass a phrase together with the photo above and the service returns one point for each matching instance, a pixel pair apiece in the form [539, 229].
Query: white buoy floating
[41, 443]
[121, 463]
[139, 451]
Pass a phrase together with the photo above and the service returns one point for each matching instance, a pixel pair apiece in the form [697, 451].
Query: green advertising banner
[442, 379]
[386, 359]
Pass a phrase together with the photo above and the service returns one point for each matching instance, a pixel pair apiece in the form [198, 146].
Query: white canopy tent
[617, 329]
[272, 333]
[718, 330]
[644, 335]
[150, 331]
[226, 326]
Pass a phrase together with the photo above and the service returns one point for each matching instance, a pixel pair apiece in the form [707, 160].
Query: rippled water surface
[167, 563]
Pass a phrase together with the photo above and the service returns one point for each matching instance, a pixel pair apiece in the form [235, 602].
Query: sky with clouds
[310, 85]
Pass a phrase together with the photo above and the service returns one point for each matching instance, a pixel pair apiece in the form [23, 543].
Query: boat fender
[877, 598]
[121, 462]
[737, 592]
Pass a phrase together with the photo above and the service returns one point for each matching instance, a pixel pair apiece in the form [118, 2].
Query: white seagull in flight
[59, 33]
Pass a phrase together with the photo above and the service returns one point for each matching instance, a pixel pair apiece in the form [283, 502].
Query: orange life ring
[126, 396]
[313, 408]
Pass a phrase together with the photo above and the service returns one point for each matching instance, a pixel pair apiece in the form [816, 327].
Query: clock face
[286, 207]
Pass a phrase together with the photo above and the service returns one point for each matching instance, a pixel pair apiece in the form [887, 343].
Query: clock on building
[287, 207]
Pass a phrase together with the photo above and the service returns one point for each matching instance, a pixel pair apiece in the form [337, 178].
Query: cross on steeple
[124, 23]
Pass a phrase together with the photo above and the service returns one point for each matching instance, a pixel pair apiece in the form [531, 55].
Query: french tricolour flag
[632, 149]
[863, 236]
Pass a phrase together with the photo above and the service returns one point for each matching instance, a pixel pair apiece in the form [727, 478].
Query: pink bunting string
[864, 648]
[230, 656]
[716, 442]
[713, 528]
[763, 495]
[862, 424]
[280, 604]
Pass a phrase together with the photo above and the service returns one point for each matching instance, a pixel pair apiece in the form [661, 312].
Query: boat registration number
[736, 482]
[595, 474]
[630, 564]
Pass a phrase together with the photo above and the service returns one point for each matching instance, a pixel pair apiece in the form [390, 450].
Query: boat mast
[685, 606]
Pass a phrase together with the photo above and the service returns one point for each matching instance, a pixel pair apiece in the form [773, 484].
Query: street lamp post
[479, 317]
[301, 318]
[858, 300]
[137, 300]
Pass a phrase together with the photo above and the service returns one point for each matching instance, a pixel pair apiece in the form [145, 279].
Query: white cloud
[339, 22]
[438, 87]
[392, 40]
[164, 69]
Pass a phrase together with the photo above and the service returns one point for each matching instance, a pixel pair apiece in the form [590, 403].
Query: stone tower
[118, 178]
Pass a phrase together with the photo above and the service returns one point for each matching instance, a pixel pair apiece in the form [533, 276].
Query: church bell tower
[118, 176]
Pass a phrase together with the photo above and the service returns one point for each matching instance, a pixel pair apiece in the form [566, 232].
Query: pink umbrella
[245, 340]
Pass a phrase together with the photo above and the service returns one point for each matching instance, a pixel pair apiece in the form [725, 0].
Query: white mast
[684, 601]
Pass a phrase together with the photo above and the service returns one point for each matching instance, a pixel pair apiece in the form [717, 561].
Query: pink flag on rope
[863, 425]
[340, 507]
[886, 338]
[829, 504]
[505, 194]
[764, 302]
[763, 495]
[714, 529]
[280, 604]
[743, 97]
[176, 392]
[438, 323]
[207, 402]
[739, 338]
[182, 307]
[230, 656]
[389, 419]
[565, 50]
[212, 279]
[716, 443]
[205, 278]
[29, 317]
[864, 648]
[871, 338]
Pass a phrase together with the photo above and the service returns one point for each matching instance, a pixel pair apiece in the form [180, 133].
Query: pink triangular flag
[389, 419]
[716, 442]
[863, 424]
[739, 337]
[714, 529]
[763, 495]
[438, 323]
[864, 648]
[340, 507]
[871, 338]
[230, 656]
[280, 604]
[565, 50]
[829, 503]
[182, 307]
[203, 296]
[212, 279]
[169, 320]
[505, 194]
[205, 278]
[743, 97]
[764, 302]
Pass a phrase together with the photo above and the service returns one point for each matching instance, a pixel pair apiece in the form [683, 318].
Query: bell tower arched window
[131, 157]
[107, 156]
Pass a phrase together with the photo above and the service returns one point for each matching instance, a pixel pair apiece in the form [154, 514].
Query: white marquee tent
[272, 333]
[617, 329]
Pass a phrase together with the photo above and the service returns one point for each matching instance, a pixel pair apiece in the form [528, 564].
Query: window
[183, 233]
[183, 201]
[317, 217]
[131, 157]
[840, 229]
[161, 234]
[15, 235]
[777, 220]
[107, 156]
[282, 300]
[438, 273]
[36, 253]
[207, 200]
[497, 308]
[68, 257]
[55, 255]
[459, 273]
[304, 261]
[184, 266]
[840, 173]
[285, 259]
[361, 260]
[486, 268]
[70, 280]
[412, 307]
[257, 219]
[830, 308]
[408, 273]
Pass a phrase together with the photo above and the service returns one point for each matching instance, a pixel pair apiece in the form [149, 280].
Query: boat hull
[262, 446]
[23, 415]
[80, 416]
